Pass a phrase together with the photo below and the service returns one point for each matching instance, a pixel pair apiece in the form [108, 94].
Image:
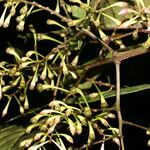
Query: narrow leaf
[110, 94]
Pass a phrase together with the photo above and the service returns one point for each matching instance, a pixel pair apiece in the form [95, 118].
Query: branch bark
[118, 106]
[120, 56]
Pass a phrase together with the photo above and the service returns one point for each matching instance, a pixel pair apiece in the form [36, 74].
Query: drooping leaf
[41, 37]
[91, 136]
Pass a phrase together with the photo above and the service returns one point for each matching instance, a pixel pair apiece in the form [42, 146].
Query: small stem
[117, 66]
[134, 125]
[46, 9]
[62, 4]
[57, 84]
[100, 83]
[98, 142]
[81, 77]
[90, 34]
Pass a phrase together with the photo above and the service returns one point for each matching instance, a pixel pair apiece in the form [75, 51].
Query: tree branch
[118, 107]
[120, 56]
[45, 8]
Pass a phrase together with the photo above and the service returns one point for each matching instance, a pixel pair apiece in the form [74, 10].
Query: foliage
[74, 85]
[11, 137]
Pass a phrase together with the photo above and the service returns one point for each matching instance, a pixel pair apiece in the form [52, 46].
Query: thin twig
[62, 4]
[86, 31]
[100, 83]
[82, 77]
[46, 9]
[116, 37]
[98, 142]
[57, 84]
[134, 125]
[117, 66]
[63, 45]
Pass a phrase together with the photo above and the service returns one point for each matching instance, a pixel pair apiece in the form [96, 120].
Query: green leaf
[147, 3]
[109, 94]
[85, 85]
[111, 12]
[78, 12]
[9, 136]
